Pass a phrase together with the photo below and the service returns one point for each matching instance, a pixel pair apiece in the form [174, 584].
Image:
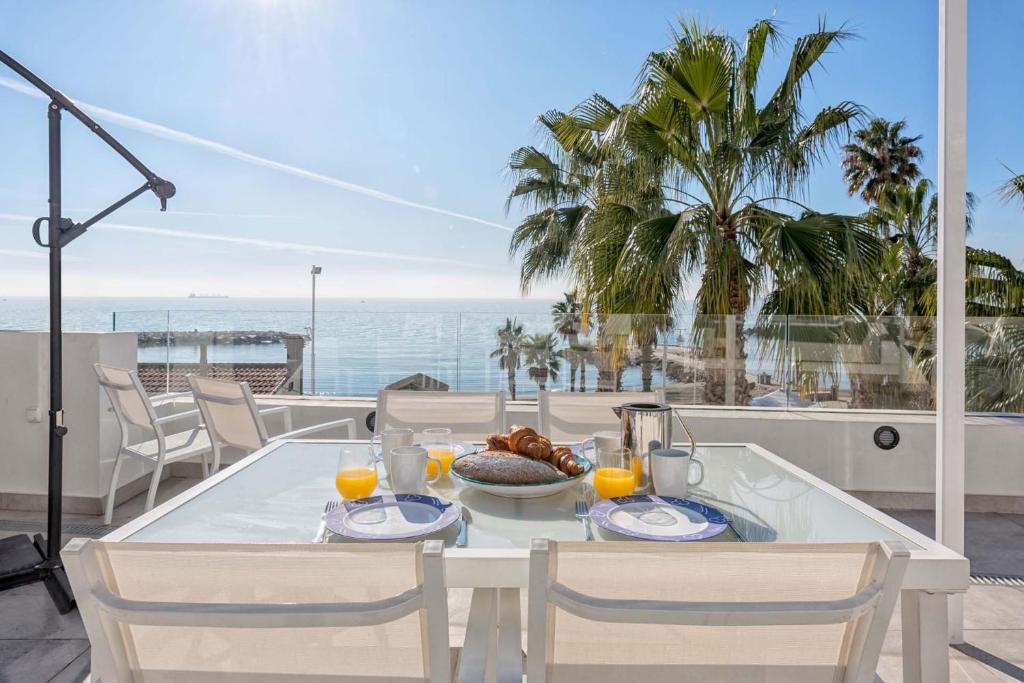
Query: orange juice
[445, 455]
[636, 464]
[612, 482]
[356, 482]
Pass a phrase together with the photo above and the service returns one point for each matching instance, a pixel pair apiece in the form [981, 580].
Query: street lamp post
[316, 270]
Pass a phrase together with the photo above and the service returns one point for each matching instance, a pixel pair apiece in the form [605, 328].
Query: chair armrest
[171, 395]
[176, 416]
[324, 426]
[286, 411]
[274, 409]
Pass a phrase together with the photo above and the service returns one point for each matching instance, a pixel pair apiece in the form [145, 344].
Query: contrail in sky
[25, 253]
[214, 214]
[235, 153]
[255, 242]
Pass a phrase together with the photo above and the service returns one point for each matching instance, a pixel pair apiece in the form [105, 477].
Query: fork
[322, 529]
[583, 514]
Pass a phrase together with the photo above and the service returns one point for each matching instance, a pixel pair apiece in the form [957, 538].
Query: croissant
[517, 433]
[498, 442]
[527, 442]
[562, 458]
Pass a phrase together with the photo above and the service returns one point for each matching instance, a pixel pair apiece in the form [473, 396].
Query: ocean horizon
[362, 345]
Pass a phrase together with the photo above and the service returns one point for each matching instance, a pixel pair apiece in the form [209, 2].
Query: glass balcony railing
[794, 362]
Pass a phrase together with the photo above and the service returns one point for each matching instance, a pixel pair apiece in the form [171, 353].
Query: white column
[949, 427]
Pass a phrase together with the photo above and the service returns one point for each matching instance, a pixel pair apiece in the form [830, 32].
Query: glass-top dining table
[278, 495]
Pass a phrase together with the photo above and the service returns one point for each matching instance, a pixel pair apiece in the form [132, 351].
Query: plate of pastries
[522, 464]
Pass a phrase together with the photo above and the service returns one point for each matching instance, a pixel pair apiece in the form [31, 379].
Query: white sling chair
[269, 613]
[653, 612]
[134, 409]
[566, 416]
[233, 419]
[471, 415]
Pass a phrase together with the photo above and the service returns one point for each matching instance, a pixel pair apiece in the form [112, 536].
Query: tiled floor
[38, 644]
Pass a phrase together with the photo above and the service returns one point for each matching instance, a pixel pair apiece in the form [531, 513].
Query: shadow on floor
[989, 659]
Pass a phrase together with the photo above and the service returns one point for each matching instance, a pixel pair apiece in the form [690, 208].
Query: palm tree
[1013, 189]
[646, 329]
[542, 358]
[511, 342]
[907, 216]
[730, 164]
[580, 352]
[583, 195]
[882, 155]
[558, 190]
[567, 315]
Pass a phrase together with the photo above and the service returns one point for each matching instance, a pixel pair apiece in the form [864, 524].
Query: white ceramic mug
[607, 441]
[408, 473]
[392, 438]
[671, 471]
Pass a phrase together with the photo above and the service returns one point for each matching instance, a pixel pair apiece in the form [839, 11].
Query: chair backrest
[471, 415]
[127, 396]
[268, 613]
[229, 411]
[574, 416]
[709, 611]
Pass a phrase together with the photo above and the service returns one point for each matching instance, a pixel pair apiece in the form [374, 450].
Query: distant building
[418, 382]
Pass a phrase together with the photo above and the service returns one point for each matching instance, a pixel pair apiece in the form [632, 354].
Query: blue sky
[371, 137]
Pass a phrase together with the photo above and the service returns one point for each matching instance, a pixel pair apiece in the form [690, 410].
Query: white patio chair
[574, 416]
[709, 611]
[269, 613]
[471, 415]
[234, 420]
[133, 408]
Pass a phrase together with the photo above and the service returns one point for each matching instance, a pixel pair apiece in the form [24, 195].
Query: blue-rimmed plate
[391, 517]
[659, 518]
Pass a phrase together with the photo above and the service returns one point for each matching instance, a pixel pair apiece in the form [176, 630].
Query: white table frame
[492, 650]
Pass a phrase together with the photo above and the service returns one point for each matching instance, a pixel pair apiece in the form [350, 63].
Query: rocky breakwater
[226, 338]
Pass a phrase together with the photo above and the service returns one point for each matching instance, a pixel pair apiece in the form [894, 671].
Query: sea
[362, 345]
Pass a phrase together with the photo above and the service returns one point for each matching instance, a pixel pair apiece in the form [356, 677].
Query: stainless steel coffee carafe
[645, 427]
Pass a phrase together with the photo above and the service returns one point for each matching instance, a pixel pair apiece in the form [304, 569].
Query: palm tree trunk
[741, 391]
[583, 375]
[573, 340]
[647, 365]
[512, 383]
[605, 372]
[726, 379]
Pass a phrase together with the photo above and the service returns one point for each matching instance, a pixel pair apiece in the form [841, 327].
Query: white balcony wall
[834, 445]
[93, 436]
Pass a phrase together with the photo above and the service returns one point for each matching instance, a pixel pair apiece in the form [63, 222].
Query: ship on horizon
[205, 295]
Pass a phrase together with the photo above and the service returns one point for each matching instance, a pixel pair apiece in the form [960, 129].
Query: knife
[463, 537]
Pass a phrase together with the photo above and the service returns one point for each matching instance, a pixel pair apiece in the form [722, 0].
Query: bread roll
[504, 467]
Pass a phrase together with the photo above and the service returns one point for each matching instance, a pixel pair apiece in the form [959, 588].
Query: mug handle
[440, 469]
[698, 463]
[378, 460]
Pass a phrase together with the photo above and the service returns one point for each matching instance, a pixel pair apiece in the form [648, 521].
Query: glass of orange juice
[615, 475]
[438, 442]
[356, 476]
